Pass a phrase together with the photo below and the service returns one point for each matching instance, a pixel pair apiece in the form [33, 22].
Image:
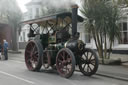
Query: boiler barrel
[75, 45]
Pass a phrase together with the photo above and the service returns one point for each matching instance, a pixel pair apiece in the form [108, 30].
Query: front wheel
[65, 62]
[33, 53]
[88, 63]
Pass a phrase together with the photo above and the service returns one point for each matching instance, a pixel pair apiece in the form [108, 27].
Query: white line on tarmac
[25, 80]
[17, 61]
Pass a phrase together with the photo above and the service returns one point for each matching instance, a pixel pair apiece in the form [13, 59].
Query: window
[124, 33]
[20, 38]
[24, 36]
[37, 12]
[30, 13]
[124, 26]
[87, 38]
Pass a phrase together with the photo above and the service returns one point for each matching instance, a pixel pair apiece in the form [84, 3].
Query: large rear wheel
[33, 53]
[88, 63]
[65, 62]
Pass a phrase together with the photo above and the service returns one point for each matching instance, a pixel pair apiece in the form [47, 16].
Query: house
[34, 11]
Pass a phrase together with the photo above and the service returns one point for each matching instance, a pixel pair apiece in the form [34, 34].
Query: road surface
[14, 72]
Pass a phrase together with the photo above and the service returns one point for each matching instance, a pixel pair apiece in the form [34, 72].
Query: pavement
[112, 71]
[117, 72]
[123, 57]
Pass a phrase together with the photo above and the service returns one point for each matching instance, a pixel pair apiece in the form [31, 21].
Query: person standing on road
[5, 48]
[0, 51]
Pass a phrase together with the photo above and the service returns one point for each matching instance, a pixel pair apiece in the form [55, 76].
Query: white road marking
[25, 80]
[16, 61]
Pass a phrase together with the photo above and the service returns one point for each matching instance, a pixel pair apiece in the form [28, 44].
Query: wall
[22, 45]
[5, 33]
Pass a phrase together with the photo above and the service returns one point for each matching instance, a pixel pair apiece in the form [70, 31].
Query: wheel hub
[87, 62]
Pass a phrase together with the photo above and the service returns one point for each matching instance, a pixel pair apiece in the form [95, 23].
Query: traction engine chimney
[74, 19]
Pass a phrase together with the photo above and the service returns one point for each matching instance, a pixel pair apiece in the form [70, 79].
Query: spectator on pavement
[5, 49]
[0, 51]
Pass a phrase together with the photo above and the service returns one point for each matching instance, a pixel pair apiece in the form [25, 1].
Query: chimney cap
[75, 6]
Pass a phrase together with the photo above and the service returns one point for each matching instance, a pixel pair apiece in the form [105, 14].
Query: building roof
[53, 17]
[33, 3]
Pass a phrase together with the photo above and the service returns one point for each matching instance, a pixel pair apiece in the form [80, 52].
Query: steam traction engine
[57, 45]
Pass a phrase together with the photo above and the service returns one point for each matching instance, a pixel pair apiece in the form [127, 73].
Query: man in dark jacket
[5, 49]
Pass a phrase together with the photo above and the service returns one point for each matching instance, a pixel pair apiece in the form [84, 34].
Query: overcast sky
[22, 3]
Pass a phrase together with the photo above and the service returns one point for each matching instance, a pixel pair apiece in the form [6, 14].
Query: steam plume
[59, 3]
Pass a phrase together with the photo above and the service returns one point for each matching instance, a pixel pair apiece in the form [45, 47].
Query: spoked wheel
[65, 62]
[33, 56]
[88, 63]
